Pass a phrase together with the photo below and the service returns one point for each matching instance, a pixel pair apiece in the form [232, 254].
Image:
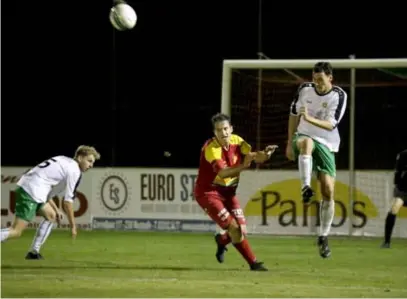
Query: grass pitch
[150, 264]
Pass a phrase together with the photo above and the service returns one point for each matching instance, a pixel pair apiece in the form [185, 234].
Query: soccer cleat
[307, 194]
[34, 256]
[324, 250]
[258, 266]
[220, 251]
[385, 245]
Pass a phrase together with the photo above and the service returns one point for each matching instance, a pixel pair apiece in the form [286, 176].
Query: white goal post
[351, 64]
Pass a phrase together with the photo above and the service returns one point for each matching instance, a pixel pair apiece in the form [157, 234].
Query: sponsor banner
[271, 201]
[154, 224]
[145, 194]
[272, 204]
[9, 178]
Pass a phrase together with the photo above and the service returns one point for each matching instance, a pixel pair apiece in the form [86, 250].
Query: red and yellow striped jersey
[214, 157]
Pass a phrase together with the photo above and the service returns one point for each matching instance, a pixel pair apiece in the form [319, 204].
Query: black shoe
[385, 245]
[307, 194]
[34, 256]
[324, 250]
[220, 251]
[258, 266]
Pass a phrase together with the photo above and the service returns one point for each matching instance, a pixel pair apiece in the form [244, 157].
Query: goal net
[257, 95]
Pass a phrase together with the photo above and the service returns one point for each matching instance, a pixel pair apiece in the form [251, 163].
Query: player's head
[222, 128]
[86, 156]
[322, 75]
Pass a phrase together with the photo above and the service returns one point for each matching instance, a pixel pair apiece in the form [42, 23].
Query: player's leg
[325, 166]
[212, 204]
[238, 234]
[43, 231]
[399, 199]
[222, 239]
[25, 211]
[303, 147]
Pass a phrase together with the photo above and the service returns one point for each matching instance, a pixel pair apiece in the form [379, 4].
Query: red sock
[224, 239]
[245, 250]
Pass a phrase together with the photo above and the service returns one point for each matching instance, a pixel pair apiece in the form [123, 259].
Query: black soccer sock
[388, 228]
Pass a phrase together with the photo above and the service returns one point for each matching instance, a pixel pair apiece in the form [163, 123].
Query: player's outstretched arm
[264, 155]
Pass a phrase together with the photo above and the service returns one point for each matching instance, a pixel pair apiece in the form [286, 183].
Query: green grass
[135, 264]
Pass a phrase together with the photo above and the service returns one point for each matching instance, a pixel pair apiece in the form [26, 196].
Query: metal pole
[113, 102]
[260, 79]
[352, 176]
[226, 98]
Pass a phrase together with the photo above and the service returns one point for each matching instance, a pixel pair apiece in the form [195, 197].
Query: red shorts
[222, 208]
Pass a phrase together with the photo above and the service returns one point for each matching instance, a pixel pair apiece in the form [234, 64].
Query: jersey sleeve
[213, 155]
[296, 103]
[72, 182]
[245, 148]
[336, 109]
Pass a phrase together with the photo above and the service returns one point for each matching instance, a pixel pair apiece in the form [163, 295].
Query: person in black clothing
[399, 196]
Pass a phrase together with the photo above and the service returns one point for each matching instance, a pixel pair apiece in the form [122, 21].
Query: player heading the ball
[222, 159]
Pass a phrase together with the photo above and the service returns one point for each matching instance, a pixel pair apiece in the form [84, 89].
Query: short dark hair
[219, 117]
[323, 67]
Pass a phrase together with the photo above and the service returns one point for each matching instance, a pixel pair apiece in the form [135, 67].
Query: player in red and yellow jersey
[222, 159]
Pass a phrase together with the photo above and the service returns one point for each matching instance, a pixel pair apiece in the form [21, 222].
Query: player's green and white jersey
[330, 106]
[50, 177]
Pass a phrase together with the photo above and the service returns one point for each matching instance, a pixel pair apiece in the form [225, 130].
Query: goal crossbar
[309, 63]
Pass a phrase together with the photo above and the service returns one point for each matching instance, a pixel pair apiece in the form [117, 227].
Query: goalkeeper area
[151, 264]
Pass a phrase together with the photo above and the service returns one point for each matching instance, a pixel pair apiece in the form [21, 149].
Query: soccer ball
[123, 17]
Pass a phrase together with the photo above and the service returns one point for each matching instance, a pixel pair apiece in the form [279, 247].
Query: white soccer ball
[123, 17]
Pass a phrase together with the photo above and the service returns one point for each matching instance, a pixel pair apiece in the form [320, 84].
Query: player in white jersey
[313, 140]
[35, 187]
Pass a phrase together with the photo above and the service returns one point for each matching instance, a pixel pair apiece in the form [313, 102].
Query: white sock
[4, 234]
[305, 168]
[41, 235]
[327, 213]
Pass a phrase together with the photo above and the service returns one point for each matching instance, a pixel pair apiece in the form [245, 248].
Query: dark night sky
[65, 84]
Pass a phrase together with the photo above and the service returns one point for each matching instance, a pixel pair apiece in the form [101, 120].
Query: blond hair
[86, 150]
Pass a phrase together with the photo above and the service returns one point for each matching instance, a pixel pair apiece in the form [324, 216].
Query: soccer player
[34, 189]
[313, 140]
[399, 196]
[222, 159]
